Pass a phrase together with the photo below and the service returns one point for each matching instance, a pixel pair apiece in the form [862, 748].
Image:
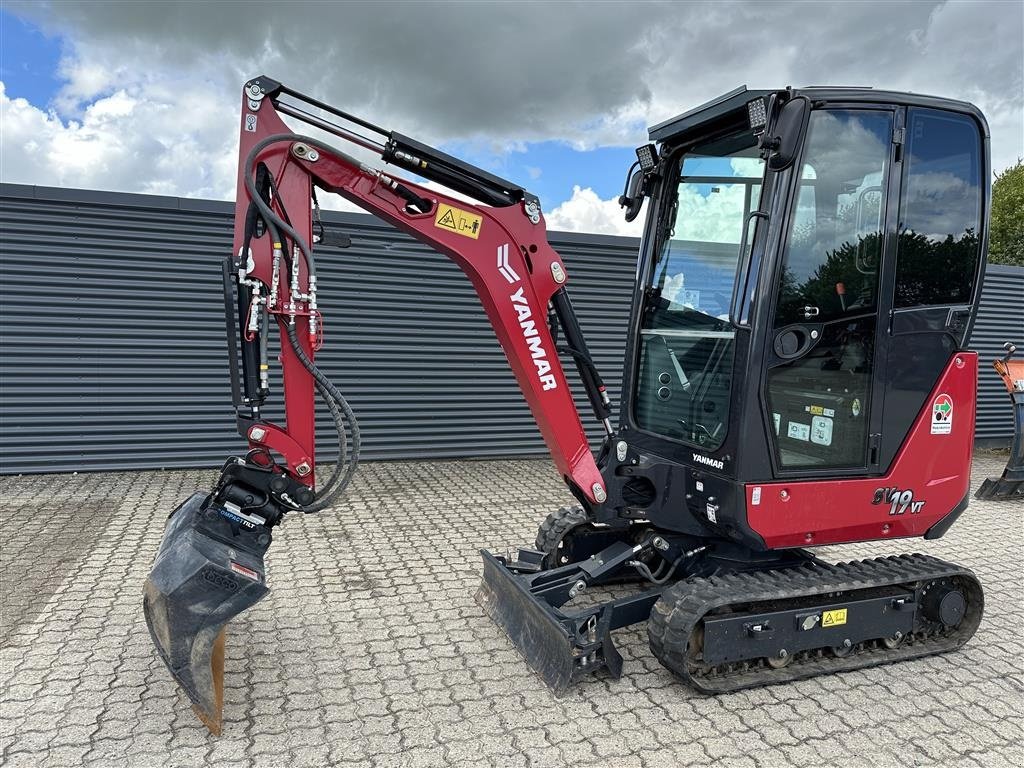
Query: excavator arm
[503, 250]
[210, 565]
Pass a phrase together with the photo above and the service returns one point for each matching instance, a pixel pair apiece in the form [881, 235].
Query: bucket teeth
[204, 575]
[213, 717]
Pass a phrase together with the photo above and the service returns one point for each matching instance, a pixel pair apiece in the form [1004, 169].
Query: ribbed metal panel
[1000, 319]
[113, 351]
[112, 344]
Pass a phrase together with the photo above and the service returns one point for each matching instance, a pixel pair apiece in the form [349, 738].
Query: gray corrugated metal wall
[111, 326]
[112, 335]
[1000, 319]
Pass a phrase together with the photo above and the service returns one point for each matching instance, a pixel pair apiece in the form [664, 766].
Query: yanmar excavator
[796, 376]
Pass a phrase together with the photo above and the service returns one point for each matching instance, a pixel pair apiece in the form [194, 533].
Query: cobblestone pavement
[371, 651]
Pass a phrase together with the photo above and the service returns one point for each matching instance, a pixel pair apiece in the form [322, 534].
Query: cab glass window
[830, 268]
[939, 246]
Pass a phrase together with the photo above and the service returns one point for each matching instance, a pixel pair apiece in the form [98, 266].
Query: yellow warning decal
[833, 618]
[458, 221]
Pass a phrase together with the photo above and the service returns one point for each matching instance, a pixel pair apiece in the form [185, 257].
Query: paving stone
[370, 650]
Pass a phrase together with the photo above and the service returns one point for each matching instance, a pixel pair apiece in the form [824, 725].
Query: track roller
[742, 630]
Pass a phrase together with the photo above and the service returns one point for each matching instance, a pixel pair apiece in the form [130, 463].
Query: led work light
[647, 155]
[757, 114]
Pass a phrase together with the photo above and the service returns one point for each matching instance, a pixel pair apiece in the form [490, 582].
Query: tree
[1006, 237]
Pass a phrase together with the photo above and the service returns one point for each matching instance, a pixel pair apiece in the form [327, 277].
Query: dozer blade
[562, 646]
[207, 572]
[543, 641]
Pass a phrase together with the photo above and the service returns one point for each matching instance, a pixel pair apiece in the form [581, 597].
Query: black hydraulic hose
[581, 357]
[576, 345]
[339, 427]
[329, 494]
[325, 396]
[339, 410]
[335, 401]
[266, 210]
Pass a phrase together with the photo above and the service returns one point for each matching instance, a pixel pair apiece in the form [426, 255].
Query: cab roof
[737, 99]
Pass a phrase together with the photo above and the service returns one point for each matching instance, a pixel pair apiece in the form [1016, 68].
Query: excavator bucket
[208, 571]
[1011, 484]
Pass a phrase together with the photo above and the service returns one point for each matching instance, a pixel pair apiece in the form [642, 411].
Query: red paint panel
[294, 186]
[934, 464]
[506, 257]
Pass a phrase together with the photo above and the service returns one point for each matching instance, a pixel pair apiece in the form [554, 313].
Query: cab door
[939, 253]
[825, 336]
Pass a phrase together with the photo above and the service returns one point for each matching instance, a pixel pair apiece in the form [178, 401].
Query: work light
[757, 114]
[648, 157]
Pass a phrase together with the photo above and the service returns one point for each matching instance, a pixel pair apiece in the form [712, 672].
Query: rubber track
[556, 526]
[687, 602]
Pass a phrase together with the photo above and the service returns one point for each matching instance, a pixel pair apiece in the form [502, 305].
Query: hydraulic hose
[266, 210]
[330, 393]
[339, 408]
[339, 426]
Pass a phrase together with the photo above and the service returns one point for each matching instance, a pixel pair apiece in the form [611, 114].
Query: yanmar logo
[504, 268]
[708, 461]
[526, 322]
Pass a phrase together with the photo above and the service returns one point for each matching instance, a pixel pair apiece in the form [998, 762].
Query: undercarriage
[719, 617]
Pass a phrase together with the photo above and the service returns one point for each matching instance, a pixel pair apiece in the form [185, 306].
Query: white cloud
[586, 212]
[714, 218]
[129, 141]
[593, 74]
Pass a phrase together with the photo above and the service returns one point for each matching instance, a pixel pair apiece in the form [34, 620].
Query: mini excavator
[796, 376]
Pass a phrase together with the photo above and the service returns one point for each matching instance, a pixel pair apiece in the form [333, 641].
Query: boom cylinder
[591, 379]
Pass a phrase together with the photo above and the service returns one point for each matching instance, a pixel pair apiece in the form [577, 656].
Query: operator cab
[810, 263]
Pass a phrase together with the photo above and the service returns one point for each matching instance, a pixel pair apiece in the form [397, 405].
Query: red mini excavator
[795, 376]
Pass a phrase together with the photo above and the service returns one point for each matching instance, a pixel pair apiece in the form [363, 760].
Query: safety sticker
[755, 496]
[250, 122]
[821, 430]
[942, 415]
[458, 221]
[799, 431]
[820, 410]
[834, 618]
[240, 569]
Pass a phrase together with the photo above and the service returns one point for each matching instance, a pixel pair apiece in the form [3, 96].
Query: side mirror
[632, 199]
[784, 145]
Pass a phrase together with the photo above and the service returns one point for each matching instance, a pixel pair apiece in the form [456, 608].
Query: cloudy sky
[142, 97]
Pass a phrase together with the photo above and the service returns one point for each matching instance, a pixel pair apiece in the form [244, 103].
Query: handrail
[739, 288]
